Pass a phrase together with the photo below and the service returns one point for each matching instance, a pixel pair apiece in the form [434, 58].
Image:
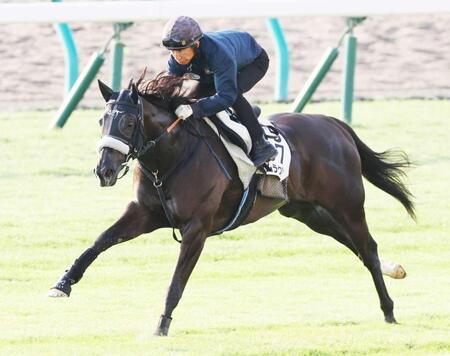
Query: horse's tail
[385, 170]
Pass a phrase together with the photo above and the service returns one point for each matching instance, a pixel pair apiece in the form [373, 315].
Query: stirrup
[264, 154]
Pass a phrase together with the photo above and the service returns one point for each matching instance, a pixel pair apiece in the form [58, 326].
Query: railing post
[117, 55]
[79, 88]
[282, 52]
[117, 59]
[349, 69]
[314, 79]
[70, 54]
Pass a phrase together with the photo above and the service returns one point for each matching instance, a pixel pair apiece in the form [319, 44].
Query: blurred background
[401, 56]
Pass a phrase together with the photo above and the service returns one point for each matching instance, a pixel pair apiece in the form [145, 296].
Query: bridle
[136, 147]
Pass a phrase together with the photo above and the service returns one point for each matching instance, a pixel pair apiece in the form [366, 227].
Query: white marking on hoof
[56, 293]
[392, 269]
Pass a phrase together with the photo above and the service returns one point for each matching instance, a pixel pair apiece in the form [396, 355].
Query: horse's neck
[171, 149]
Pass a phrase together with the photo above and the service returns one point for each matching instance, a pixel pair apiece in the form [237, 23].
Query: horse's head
[121, 132]
[122, 122]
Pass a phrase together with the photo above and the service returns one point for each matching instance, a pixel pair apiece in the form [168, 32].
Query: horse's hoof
[56, 293]
[61, 289]
[163, 326]
[393, 270]
[397, 272]
[400, 273]
[390, 319]
[160, 332]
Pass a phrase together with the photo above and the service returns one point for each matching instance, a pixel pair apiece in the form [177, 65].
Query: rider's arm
[225, 76]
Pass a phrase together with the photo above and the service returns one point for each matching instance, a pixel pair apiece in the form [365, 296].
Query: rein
[136, 152]
[152, 143]
[158, 184]
[152, 175]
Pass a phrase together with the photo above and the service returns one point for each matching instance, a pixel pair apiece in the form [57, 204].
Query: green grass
[271, 288]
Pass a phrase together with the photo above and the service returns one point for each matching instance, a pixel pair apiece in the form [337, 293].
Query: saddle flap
[232, 130]
[244, 165]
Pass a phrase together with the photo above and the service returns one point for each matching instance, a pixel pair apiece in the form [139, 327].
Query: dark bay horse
[179, 183]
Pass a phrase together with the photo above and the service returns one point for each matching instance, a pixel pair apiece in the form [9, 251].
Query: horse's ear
[106, 91]
[130, 83]
[134, 93]
[141, 77]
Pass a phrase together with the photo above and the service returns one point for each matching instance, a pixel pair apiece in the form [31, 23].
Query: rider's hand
[183, 111]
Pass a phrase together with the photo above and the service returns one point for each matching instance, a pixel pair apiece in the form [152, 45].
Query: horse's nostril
[103, 172]
[107, 173]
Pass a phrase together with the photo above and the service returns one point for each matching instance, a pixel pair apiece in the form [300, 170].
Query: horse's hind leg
[323, 222]
[134, 222]
[319, 220]
[355, 224]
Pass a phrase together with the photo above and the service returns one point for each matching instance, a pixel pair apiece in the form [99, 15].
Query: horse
[180, 182]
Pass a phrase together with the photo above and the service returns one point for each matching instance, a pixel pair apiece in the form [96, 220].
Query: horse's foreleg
[191, 248]
[135, 221]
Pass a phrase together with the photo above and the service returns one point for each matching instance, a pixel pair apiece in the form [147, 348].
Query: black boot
[262, 151]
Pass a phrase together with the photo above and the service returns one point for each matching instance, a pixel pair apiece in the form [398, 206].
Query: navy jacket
[218, 59]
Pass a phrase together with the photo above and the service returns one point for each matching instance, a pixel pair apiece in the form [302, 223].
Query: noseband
[135, 147]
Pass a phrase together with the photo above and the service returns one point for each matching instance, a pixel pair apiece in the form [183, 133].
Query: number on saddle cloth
[272, 181]
[279, 166]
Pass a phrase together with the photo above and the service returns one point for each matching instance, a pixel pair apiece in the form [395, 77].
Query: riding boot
[262, 151]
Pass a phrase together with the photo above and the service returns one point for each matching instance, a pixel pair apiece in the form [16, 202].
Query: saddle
[237, 141]
[229, 126]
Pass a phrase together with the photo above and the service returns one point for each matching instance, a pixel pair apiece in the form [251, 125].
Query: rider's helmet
[181, 32]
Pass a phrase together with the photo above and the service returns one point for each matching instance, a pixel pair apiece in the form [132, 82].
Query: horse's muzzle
[107, 176]
[109, 166]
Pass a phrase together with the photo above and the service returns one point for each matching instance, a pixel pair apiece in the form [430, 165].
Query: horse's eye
[100, 121]
[127, 125]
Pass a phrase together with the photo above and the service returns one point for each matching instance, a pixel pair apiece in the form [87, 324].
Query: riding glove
[183, 111]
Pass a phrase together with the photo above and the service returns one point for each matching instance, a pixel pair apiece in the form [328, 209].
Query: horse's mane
[164, 90]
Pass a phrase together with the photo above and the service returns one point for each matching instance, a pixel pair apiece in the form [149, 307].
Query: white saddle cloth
[244, 165]
[278, 167]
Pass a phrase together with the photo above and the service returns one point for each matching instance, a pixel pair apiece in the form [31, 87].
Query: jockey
[229, 63]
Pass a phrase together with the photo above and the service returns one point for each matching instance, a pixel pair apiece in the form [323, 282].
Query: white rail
[124, 11]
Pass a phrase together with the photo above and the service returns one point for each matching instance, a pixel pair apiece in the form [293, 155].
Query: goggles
[171, 43]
